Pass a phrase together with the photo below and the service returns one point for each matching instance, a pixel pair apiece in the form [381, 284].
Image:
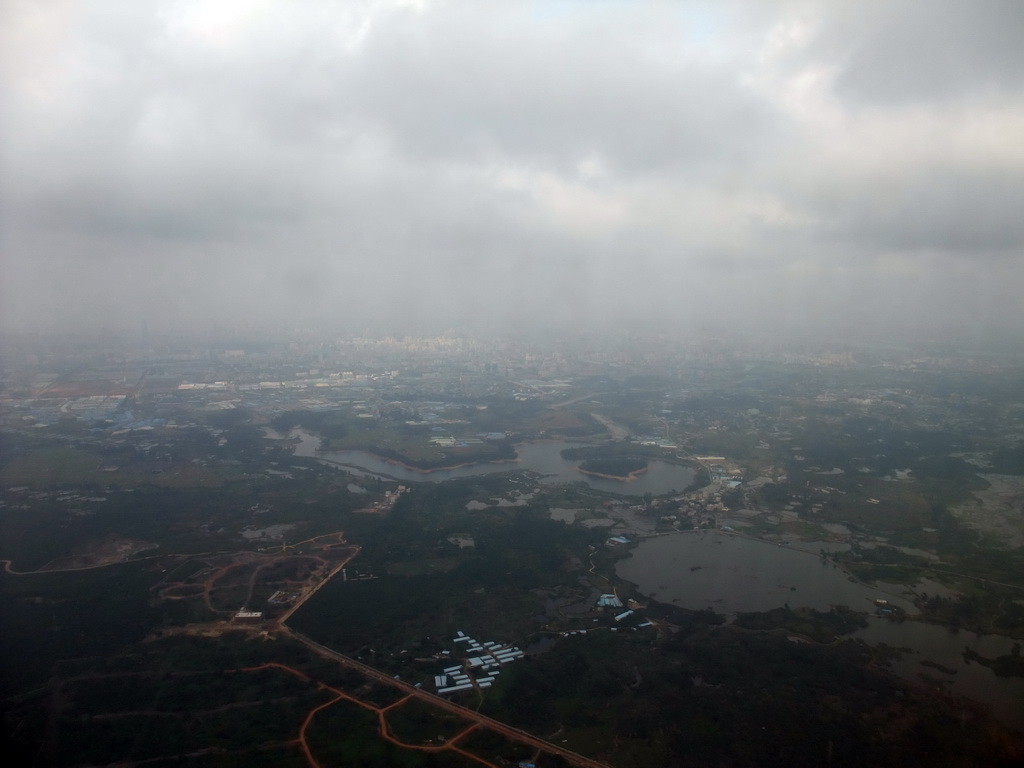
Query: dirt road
[573, 758]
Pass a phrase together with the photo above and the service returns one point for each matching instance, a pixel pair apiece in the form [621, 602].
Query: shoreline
[757, 540]
[304, 443]
[410, 467]
[464, 464]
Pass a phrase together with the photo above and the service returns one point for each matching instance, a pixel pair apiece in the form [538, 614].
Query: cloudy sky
[844, 167]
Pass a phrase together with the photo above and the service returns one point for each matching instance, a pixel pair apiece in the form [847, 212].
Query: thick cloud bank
[846, 167]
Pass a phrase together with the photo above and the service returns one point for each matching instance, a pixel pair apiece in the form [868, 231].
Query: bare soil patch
[998, 511]
[105, 551]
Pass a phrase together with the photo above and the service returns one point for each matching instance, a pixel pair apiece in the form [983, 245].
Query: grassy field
[53, 466]
[61, 466]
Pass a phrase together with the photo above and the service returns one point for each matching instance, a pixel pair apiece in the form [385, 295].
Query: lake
[731, 574]
[930, 642]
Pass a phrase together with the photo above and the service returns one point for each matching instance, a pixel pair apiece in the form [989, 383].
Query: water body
[929, 642]
[542, 456]
[730, 574]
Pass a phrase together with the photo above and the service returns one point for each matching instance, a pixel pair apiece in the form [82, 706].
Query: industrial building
[490, 656]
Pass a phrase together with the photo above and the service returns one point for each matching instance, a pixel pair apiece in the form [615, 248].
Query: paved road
[574, 758]
[308, 593]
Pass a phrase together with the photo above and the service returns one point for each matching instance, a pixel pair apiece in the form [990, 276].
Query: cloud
[919, 51]
[579, 164]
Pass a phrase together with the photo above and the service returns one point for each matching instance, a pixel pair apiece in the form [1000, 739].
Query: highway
[573, 758]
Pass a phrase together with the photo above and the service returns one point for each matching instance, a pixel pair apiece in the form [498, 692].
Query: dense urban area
[412, 551]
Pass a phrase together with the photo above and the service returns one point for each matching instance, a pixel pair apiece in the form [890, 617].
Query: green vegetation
[255, 718]
[985, 609]
[820, 626]
[393, 439]
[1009, 460]
[416, 722]
[345, 735]
[62, 467]
[715, 696]
[615, 467]
[614, 450]
[332, 425]
[101, 667]
[1010, 665]
[169, 698]
[517, 550]
[52, 467]
[494, 747]
[44, 526]
[54, 616]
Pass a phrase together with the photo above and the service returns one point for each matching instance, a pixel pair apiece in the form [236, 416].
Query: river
[541, 456]
[731, 574]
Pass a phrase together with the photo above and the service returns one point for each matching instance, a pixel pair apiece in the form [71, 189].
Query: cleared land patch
[997, 511]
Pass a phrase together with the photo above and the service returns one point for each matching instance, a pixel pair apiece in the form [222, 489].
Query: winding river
[541, 456]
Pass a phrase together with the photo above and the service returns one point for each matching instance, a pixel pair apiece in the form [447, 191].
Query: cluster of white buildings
[479, 670]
